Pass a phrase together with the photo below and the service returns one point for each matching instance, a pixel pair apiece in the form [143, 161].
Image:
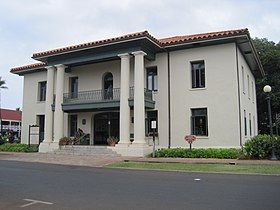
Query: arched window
[108, 85]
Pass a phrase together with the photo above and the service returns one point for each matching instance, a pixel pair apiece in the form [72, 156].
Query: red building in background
[10, 120]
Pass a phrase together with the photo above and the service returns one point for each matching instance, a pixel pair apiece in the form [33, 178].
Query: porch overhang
[102, 53]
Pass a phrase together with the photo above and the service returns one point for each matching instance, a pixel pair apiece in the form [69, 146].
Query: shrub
[199, 153]
[8, 147]
[2, 141]
[260, 146]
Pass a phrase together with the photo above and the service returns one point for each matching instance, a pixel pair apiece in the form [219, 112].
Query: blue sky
[28, 26]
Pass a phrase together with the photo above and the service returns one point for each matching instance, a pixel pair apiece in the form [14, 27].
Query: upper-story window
[243, 79]
[108, 85]
[42, 88]
[198, 74]
[248, 81]
[253, 91]
[199, 122]
[152, 81]
[73, 87]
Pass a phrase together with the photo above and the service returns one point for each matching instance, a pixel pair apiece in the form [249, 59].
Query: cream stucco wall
[31, 106]
[248, 101]
[219, 96]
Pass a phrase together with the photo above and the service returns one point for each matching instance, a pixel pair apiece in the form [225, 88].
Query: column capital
[140, 52]
[59, 66]
[124, 55]
[50, 67]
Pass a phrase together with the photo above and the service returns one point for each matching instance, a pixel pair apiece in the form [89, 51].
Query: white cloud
[30, 26]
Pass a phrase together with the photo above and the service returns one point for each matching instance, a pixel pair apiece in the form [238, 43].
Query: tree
[2, 86]
[269, 53]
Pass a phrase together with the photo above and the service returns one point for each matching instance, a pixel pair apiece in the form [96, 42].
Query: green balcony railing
[101, 96]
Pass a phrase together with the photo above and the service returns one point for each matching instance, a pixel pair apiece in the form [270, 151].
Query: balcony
[101, 99]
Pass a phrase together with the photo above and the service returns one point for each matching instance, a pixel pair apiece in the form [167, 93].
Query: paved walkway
[101, 160]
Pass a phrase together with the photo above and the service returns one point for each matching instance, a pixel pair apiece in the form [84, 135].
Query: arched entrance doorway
[105, 124]
[108, 85]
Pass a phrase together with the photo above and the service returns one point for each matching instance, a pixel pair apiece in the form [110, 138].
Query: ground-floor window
[73, 125]
[199, 122]
[151, 116]
[41, 124]
[245, 123]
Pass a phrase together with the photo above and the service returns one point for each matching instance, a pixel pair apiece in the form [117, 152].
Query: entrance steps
[86, 150]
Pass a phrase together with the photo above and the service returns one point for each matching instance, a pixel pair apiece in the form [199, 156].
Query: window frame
[148, 121]
[245, 124]
[154, 76]
[193, 75]
[243, 79]
[70, 124]
[73, 94]
[193, 121]
[42, 97]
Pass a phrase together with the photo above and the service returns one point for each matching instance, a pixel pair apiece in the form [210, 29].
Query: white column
[124, 95]
[48, 105]
[58, 114]
[139, 104]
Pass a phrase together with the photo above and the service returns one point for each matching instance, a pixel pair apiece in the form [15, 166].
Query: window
[253, 91]
[73, 87]
[151, 116]
[199, 122]
[73, 124]
[152, 82]
[250, 124]
[14, 123]
[248, 80]
[243, 79]
[108, 86]
[198, 74]
[245, 123]
[254, 126]
[42, 91]
[41, 123]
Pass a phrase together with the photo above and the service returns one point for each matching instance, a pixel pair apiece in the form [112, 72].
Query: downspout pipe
[239, 103]
[169, 102]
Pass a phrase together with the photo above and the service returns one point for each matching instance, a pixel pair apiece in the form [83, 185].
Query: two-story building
[10, 120]
[202, 84]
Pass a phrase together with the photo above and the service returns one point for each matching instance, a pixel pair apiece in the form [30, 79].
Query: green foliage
[199, 153]
[18, 148]
[269, 54]
[260, 147]
[2, 141]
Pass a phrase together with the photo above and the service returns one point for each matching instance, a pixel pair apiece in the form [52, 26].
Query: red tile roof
[203, 36]
[96, 43]
[165, 42]
[29, 67]
[8, 114]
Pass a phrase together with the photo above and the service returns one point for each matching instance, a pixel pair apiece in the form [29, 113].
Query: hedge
[260, 147]
[15, 147]
[199, 153]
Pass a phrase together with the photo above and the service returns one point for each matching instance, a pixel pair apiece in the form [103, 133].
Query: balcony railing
[101, 96]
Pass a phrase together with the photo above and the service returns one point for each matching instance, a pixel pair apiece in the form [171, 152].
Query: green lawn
[221, 168]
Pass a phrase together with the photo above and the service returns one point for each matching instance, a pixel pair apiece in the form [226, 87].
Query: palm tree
[2, 86]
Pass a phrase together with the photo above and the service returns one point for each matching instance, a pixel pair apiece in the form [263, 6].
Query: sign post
[154, 126]
[190, 139]
[32, 134]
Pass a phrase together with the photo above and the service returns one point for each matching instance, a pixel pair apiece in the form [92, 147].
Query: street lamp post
[267, 89]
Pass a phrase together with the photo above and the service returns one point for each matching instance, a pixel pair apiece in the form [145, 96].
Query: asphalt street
[45, 186]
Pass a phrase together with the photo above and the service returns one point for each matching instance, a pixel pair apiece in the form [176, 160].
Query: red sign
[190, 138]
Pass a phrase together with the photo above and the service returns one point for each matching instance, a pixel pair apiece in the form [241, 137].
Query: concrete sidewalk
[101, 160]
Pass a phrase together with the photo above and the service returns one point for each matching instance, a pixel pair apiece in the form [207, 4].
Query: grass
[217, 168]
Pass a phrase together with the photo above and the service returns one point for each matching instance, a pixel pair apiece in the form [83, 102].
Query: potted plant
[112, 141]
